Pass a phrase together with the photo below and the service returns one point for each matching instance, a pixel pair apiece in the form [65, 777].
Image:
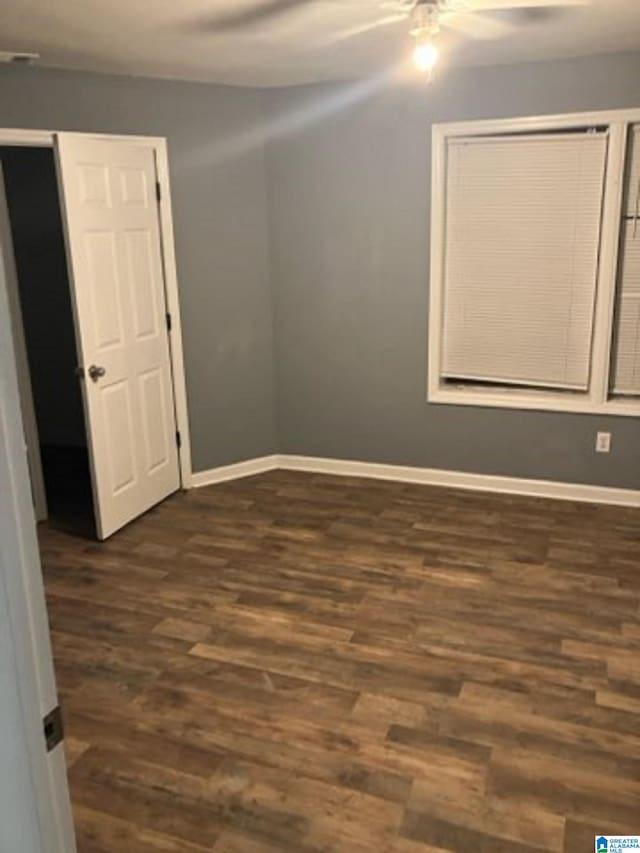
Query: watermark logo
[616, 843]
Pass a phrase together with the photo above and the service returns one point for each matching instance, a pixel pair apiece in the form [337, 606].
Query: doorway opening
[42, 318]
[96, 321]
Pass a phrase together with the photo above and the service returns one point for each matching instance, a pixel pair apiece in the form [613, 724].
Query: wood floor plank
[99, 832]
[313, 664]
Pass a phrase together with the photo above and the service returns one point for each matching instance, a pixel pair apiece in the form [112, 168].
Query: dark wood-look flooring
[307, 663]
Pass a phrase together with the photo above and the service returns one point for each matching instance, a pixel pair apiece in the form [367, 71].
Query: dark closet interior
[45, 302]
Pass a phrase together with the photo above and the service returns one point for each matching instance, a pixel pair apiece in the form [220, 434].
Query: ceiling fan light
[425, 56]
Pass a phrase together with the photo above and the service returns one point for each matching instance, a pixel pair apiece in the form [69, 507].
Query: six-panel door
[108, 190]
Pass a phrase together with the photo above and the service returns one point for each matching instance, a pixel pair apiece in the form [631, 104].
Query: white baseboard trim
[464, 480]
[424, 476]
[235, 471]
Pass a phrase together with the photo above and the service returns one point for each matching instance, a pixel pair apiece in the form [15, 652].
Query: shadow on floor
[68, 485]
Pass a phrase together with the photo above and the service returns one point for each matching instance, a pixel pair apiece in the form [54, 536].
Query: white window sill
[542, 401]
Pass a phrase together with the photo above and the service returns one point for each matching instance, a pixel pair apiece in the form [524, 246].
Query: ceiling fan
[484, 19]
[265, 11]
[427, 17]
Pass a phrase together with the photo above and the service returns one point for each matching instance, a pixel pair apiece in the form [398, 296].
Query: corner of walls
[267, 142]
[218, 182]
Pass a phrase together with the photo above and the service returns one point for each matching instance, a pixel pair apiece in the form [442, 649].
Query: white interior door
[108, 191]
[35, 812]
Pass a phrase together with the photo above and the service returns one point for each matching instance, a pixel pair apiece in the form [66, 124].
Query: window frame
[596, 400]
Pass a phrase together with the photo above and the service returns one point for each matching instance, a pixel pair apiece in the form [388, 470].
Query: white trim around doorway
[46, 139]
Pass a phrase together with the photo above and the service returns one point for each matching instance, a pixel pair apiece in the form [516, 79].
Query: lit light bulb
[425, 56]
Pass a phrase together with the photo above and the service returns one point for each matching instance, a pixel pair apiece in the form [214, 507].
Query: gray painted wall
[338, 218]
[45, 298]
[218, 186]
[349, 197]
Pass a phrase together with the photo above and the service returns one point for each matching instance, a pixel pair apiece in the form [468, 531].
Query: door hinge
[158, 191]
[168, 318]
[53, 728]
[178, 439]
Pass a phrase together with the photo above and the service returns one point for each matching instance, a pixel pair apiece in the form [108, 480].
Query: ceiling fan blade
[255, 13]
[497, 5]
[343, 35]
[476, 26]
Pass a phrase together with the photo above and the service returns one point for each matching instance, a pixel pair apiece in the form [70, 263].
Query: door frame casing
[46, 139]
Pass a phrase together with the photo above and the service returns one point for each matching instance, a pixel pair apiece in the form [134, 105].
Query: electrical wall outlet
[603, 442]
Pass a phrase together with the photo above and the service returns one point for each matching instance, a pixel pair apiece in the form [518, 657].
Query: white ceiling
[165, 38]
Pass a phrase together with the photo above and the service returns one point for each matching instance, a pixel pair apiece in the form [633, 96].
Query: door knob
[96, 372]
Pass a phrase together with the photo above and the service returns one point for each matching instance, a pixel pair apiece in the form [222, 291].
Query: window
[535, 294]
[626, 371]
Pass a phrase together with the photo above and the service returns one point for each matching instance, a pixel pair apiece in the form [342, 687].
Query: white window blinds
[522, 236]
[626, 365]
